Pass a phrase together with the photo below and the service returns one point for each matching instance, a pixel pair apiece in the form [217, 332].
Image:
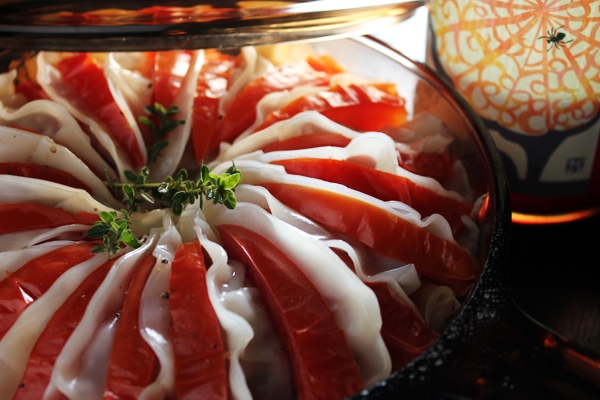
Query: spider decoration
[555, 38]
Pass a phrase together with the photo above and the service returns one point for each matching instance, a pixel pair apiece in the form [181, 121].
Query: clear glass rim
[143, 26]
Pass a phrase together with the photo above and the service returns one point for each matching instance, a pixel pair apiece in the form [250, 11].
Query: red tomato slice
[404, 332]
[31, 170]
[441, 261]
[34, 278]
[379, 184]
[325, 63]
[309, 141]
[83, 73]
[323, 365]
[212, 85]
[25, 83]
[56, 333]
[17, 217]
[200, 367]
[31, 90]
[170, 68]
[133, 364]
[242, 112]
[437, 166]
[361, 107]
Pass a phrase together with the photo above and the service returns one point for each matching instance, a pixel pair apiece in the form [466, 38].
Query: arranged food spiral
[199, 224]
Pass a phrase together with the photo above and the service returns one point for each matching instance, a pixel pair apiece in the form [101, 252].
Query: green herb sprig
[165, 125]
[114, 232]
[174, 193]
[177, 192]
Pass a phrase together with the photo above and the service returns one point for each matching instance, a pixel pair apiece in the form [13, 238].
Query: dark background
[553, 273]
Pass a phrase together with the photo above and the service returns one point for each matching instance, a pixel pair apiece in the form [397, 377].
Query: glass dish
[424, 92]
[131, 26]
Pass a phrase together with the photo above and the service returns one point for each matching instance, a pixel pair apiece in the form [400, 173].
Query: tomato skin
[382, 185]
[359, 107]
[56, 333]
[309, 141]
[32, 170]
[200, 363]
[170, 68]
[242, 112]
[31, 90]
[325, 63]
[133, 364]
[323, 365]
[405, 333]
[442, 261]
[34, 278]
[437, 166]
[17, 217]
[86, 76]
[211, 86]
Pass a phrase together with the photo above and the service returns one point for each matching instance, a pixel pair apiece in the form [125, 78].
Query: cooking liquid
[532, 72]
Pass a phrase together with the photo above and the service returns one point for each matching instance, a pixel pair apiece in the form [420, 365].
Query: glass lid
[153, 26]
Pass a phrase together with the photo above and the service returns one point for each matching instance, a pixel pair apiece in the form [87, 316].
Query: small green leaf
[130, 240]
[147, 196]
[108, 216]
[163, 187]
[130, 175]
[180, 197]
[128, 190]
[98, 249]
[181, 175]
[230, 201]
[231, 181]
[98, 230]
[177, 208]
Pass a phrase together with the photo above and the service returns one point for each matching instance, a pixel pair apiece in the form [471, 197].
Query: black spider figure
[555, 38]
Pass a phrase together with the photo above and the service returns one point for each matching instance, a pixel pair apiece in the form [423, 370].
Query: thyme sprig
[174, 193]
[160, 123]
[114, 232]
[179, 191]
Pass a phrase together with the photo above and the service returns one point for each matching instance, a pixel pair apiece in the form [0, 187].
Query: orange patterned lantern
[532, 71]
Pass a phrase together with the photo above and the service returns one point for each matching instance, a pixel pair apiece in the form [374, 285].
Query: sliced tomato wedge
[25, 83]
[200, 362]
[31, 90]
[32, 170]
[435, 165]
[34, 278]
[84, 74]
[440, 260]
[324, 63]
[133, 364]
[212, 85]
[170, 68]
[309, 141]
[323, 365]
[56, 333]
[242, 112]
[405, 333]
[15, 217]
[361, 107]
[382, 185]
